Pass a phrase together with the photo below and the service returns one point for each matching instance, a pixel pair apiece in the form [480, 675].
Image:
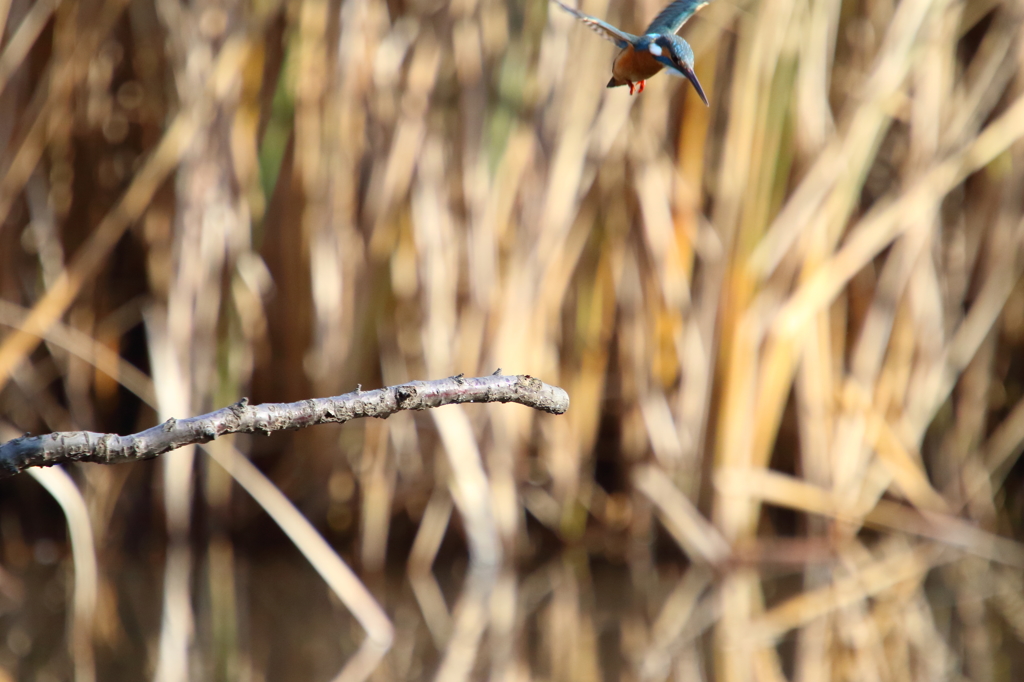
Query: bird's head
[677, 56]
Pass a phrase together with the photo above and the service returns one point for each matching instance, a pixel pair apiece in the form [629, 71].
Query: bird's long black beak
[692, 77]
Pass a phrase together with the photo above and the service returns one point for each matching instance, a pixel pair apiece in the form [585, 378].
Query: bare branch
[107, 448]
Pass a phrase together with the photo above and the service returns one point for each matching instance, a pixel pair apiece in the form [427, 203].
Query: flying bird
[659, 48]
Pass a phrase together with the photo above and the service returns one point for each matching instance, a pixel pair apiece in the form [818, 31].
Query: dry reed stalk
[86, 585]
[341, 579]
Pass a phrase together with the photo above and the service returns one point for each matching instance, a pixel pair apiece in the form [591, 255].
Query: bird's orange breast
[634, 66]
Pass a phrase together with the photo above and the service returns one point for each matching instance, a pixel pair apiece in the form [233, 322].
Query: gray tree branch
[107, 448]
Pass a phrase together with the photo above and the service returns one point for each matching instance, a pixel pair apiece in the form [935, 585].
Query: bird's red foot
[636, 87]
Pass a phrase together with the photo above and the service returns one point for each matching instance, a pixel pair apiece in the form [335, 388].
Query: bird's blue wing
[606, 30]
[674, 16]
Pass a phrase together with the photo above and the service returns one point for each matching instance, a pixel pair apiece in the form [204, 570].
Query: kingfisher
[659, 48]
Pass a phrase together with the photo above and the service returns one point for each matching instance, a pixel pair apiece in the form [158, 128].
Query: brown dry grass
[806, 297]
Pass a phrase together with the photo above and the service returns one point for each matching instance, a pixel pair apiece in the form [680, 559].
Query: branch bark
[107, 448]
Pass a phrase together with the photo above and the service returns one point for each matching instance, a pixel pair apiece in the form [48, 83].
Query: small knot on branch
[405, 394]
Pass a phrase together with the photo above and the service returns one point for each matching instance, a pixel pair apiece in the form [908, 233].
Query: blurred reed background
[790, 324]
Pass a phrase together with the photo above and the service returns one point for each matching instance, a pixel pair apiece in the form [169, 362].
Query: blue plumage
[672, 18]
